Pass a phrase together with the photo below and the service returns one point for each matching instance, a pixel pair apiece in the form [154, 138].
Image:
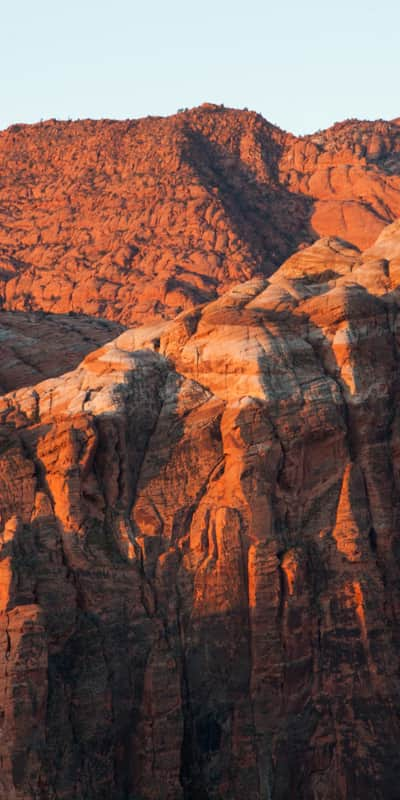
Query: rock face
[200, 553]
[146, 218]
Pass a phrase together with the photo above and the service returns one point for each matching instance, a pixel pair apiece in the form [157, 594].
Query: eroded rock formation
[200, 550]
[146, 218]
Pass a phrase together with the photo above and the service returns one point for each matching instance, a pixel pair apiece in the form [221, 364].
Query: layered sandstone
[146, 218]
[200, 550]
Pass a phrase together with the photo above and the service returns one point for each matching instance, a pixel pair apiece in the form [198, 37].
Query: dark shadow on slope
[270, 220]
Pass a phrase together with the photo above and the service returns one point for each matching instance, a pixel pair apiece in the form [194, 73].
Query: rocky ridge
[200, 549]
[145, 218]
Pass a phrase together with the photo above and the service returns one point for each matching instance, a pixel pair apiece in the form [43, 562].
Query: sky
[303, 64]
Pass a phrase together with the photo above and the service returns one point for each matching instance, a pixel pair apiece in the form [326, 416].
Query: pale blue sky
[303, 65]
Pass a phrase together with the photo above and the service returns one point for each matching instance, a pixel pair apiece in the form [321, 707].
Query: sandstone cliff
[200, 550]
[146, 218]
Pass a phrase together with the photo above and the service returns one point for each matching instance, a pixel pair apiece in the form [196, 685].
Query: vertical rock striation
[200, 550]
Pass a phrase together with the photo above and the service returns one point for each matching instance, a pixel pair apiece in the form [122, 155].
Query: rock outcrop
[146, 218]
[200, 552]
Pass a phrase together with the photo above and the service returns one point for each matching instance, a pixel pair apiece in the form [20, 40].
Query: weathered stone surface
[35, 345]
[146, 218]
[199, 566]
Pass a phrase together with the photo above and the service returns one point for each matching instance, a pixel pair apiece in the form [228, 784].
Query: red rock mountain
[200, 527]
[146, 218]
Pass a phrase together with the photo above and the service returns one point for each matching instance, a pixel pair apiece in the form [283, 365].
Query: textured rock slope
[200, 550]
[148, 217]
[35, 345]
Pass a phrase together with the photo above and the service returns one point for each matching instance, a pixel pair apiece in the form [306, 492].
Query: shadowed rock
[199, 566]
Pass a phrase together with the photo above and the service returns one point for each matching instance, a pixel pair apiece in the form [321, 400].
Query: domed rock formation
[200, 549]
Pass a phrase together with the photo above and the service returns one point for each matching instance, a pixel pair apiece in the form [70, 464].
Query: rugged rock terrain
[200, 550]
[35, 345]
[145, 218]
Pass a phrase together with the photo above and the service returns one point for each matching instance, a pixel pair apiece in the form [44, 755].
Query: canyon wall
[199, 566]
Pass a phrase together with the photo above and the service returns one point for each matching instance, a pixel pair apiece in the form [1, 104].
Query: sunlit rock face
[199, 564]
[141, 219]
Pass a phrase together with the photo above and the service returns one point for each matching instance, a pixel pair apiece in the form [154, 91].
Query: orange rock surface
[199, 566]
[146, 218]
[35, 345]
